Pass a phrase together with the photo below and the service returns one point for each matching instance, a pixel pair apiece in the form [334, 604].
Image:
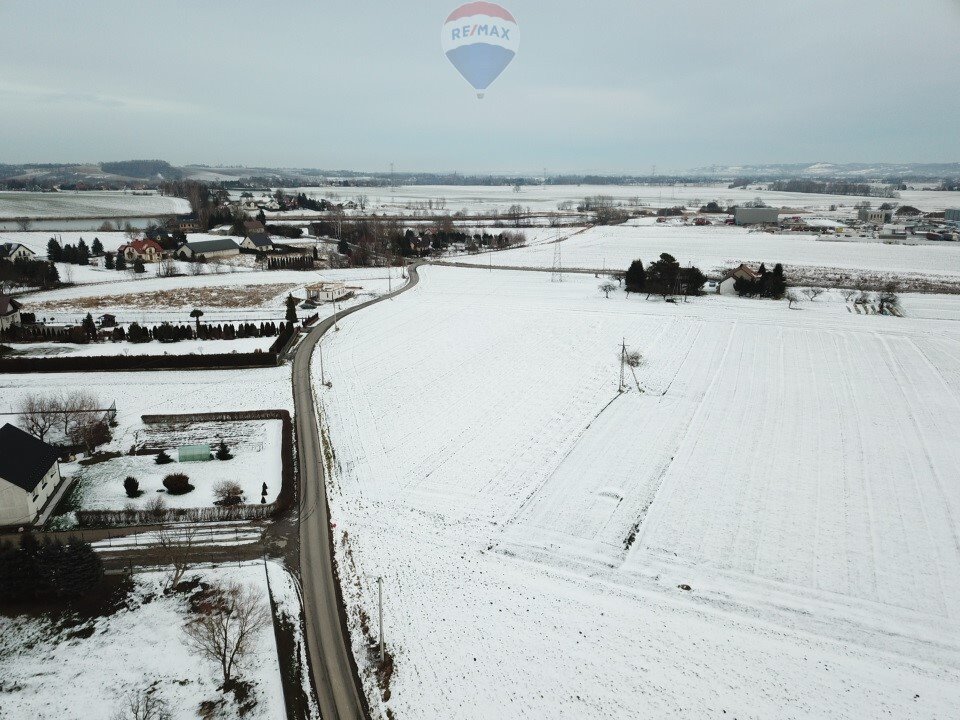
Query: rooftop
[24, 459]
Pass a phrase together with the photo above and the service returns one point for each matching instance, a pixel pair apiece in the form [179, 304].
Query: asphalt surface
[328, 642]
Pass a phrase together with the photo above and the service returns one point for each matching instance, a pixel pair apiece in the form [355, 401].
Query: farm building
[29, 475]
[259, 241]
[147, 250]
[730, 278]
[327, 291]
[952, 215]
[9, 312]
[208, 249]
[756, 216]
[875, 217]
[15, 251]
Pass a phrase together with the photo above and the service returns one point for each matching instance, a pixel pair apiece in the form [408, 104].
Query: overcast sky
[600, 86]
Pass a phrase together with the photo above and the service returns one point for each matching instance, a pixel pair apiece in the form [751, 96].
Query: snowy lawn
[256, 460]
[51, 669]
[185, 347]
[762, 526]
[158, 393]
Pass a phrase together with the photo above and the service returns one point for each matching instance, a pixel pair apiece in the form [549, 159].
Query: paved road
[328, 641]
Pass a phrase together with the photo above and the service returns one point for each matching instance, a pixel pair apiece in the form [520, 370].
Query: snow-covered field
[793, 470]
[52, 672]
[545, 198]
[88, 204]
[256, 460]
[713, 248]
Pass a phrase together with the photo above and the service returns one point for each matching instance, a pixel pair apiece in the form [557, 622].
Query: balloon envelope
[480, 39]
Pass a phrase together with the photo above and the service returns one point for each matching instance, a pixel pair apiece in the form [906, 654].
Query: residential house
[149, 251]
[327, 291]
[9, 312]
[29, 476]
[15, 251]
[253, 226]
[187, 226]
[208, 249]
[258, 241]
[730, 278]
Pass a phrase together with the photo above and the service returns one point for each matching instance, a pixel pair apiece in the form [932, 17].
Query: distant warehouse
[756, 216]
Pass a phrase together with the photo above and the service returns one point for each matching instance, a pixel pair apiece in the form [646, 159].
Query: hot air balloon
[480, 39]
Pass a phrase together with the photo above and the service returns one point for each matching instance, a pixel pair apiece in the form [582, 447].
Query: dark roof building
[209, 248]
[24, 460]
[260, 240]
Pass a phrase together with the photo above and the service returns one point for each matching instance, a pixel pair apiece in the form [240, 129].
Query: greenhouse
[194, 453]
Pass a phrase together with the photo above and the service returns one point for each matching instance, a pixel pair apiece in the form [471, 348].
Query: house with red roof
[147, 250]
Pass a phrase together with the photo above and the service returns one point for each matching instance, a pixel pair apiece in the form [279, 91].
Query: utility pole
[380, 593]
[623, 363]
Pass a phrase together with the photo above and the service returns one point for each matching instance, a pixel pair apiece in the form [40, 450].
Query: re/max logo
[462, 33]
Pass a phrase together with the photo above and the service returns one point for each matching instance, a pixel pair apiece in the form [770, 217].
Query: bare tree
[607, 288]
[24, 224]
[196, 265]
[225, 628]
[37, 414]
[142, 705]
[226, 489]
[792, 297]
[167, 267]
[75, 406]
[889, 301]
[813, 293]
[177, 545]
[157, 507]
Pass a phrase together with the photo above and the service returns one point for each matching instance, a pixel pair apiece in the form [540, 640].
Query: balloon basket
[480, 96]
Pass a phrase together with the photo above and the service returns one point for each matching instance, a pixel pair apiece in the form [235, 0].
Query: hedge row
[98, 363]
[116, 518]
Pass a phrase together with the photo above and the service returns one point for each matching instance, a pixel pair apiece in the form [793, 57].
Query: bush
[228, 492]
[156, 507]
[132, 487]
[177, 484]
[162, 458]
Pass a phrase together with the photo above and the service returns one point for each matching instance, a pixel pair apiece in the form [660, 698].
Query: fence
[114, 518]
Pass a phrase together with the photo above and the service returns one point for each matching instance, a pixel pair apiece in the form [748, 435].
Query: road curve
[328, 642]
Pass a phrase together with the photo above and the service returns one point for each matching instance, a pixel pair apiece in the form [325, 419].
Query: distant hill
[143, 169]
[862, 171]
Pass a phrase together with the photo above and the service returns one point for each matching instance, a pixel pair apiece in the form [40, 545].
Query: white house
[29, 476]
[726, 286]
[327, 291]
[208, 249]
[258, 241]
[15, 251]
[9, 312]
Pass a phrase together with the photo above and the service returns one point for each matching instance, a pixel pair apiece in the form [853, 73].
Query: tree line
[24, 272]
[769, 284]
[663, 277]
[52, 569]
[78, 254]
